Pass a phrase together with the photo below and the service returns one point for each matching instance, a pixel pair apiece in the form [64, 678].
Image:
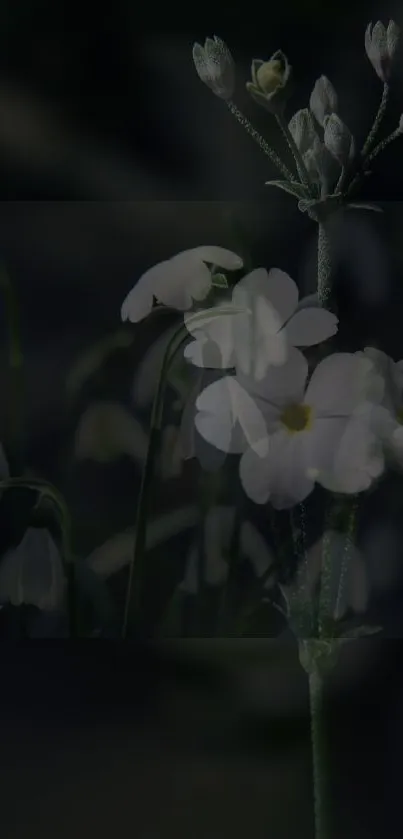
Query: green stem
[133, 594]
[324, 266]
[268, 151]
[348, 543]
[16, 366]
[319, 783]
[302, 170]
[378, 119]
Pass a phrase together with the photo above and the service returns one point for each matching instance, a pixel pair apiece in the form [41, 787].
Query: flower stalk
[268, 151]
[324, 286]
[377, 122]
[318, 756]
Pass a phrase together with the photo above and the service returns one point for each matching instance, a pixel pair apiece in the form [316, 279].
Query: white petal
[212, 326]
[358, 460]
[138, 303]
[280, 386]
[276, 286]
[339, 384]
[215, 255]
[310, 326]
[228, 417]
[280, 476]
[181, 281]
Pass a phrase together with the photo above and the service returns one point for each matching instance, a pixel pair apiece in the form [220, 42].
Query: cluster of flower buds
[271, 85]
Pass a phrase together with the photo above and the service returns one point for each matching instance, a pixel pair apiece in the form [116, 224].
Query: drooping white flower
[266, 321]
[291, 433]
[33, 573]
[215, 66]
[178, 281]
[323, 100]
[218, 528]
[381, 45]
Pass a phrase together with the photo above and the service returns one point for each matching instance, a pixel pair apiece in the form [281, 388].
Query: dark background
[114, 156]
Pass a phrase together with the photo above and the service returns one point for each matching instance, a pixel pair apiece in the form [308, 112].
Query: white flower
[323, 99]
[218, 528]
[266, 321]
[338, 139]
[290, 433]
[381, 46]
[215, 66]
[32, 573]
[178, 281]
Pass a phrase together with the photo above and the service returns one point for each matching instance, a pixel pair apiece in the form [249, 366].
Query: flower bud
[303, 130]
[323, 99]
[215, 66]
[270, 85]
[381, 46]
[338, 139]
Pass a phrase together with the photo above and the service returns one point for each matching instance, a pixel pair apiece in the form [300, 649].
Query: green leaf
[294, 188]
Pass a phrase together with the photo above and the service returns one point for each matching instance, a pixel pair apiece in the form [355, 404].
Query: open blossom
[215, 66]
[381, 46]
[270, 85]
[292, 433]
[265, 322]
[178, 281]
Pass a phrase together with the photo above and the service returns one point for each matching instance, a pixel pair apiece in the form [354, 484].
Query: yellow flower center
[270, 75]
[297, 418]
[399, 416]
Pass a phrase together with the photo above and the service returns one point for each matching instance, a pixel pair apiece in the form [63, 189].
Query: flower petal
[280, 386]
[357, 459]
[215, 255]
[276, 286]
[229, 418]
[279, 476]
[310, 326]
[340, 384]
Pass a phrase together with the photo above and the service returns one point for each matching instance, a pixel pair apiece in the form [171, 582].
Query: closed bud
[215, 66]
[323, 99]
[381, 46]
[338, 139]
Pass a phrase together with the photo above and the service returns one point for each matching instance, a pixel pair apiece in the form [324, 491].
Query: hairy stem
[268, 151]
[324, 286]
[319, 782]
[378, 119]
